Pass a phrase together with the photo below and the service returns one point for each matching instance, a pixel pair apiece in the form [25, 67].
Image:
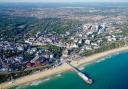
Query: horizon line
[66, 2]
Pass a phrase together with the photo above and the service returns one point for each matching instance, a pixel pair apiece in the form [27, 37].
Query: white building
[88, 42]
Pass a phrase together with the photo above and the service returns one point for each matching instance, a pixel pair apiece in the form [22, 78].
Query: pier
[81, 75]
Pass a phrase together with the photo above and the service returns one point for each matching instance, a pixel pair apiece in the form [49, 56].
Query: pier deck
[81, 75]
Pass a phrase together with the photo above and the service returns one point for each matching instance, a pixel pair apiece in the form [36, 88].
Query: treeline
[125, 29]
[57, 51]
[104, 48]
[15, 29]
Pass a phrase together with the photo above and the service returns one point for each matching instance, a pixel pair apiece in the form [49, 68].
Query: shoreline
[64, 67]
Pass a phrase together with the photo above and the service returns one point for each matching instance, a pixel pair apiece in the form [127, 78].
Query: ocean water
[111, 73]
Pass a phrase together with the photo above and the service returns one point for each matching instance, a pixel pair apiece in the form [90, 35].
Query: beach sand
[60, 69]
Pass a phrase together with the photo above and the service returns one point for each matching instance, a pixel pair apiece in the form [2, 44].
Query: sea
[110, 72]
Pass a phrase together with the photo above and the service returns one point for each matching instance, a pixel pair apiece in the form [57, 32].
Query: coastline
[60, 69]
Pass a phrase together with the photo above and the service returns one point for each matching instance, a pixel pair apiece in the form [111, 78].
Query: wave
[98, 61]
[58, 75]
[115, 54]
[108, 57]
[39, 82]
[35, 83]
[46, 79]
[22, 86]
[102, 59]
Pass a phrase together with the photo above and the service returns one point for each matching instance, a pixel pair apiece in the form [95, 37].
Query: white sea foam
[108, 57]
[103, 59]
[113, 55]
[58, 75]
[46, 79]
[100, 60]
[22, 86]
[35, 83]
[19, 87]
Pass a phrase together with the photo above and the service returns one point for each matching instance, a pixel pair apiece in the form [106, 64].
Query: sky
[63, 0]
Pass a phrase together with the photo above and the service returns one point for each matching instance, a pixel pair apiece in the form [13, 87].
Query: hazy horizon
[60, 1]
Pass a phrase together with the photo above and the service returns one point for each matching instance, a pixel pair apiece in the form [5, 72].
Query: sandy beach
[60, 69]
